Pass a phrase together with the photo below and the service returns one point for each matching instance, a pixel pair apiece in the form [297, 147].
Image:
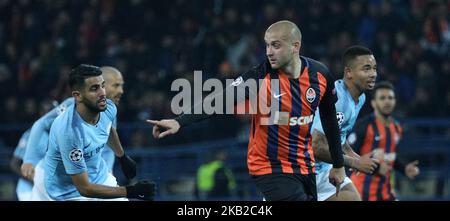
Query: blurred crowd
[154, 42]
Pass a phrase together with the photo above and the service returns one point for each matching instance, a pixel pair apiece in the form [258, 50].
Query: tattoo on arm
[320, 147]
[322, 152]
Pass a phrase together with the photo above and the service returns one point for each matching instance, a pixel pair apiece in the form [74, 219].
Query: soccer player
[35, 150]
[360, 72]
[280, 157]
[114, 91]
[378, 135]
[74, 168]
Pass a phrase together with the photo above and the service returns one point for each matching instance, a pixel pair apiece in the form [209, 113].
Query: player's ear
[347, 72]
[296, 48]
[77, 95]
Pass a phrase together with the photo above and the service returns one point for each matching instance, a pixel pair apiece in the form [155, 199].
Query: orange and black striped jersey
[284, 146]
[280, 140]
[371, 136]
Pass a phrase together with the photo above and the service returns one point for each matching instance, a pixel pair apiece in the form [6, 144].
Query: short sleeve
[72, 154]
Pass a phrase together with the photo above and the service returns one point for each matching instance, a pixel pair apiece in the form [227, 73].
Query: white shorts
[324, 188]
[23, 190]
[39, 193]
[23, 196]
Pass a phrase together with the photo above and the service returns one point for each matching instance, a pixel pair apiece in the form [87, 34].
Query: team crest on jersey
[340, 117]
[76, 155]
[310, 95]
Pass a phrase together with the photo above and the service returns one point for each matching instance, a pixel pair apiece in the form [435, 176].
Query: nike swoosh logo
[142, 196]
[87, 146]
[278, 95]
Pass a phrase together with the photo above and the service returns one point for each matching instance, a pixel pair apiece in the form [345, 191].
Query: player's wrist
[131, 191]
[181, 120]
[349, 161]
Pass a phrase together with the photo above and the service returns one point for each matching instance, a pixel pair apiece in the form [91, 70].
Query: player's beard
[93, 106]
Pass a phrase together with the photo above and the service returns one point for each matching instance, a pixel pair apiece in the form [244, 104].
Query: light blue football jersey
[22, 185]
[76, 147]
[36, 148]
[346, 112]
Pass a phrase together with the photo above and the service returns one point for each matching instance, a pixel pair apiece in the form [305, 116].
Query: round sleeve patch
[340, 117]
[76, 155]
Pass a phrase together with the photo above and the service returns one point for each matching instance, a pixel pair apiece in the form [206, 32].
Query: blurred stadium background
[154, 42]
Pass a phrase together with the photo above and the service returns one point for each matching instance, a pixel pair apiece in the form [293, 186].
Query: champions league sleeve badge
[340, 117]
[76, 155]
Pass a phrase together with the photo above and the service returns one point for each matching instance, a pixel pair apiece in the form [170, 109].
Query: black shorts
[287, 187]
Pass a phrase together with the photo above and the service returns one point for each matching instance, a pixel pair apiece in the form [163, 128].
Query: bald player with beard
[114, 90]
[280, 156]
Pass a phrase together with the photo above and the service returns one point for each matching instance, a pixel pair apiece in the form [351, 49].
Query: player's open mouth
[371, 83]
[102, 102]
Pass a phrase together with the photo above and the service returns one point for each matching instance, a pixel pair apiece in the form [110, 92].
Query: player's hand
[411, 169]
[128, 166]
[336, 177]
[143, 190]
[378, 154]
[367, 165]
[27, 170]
[163, 128]
[383, 169]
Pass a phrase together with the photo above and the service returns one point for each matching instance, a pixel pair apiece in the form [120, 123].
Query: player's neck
[91, 117]
[385, 119]
[354, 91]
[292, 70]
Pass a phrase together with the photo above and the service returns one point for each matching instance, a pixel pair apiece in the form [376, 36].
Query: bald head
[283, 43]
[113, 83]
[287, 31]
[109, 72]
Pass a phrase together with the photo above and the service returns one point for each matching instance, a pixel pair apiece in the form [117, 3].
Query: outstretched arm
[236, 90]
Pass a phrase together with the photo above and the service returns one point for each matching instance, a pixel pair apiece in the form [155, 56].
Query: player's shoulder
[259, 71]
[65, 119]
[366, 120]
[340, 87]
[26, 134]
[68, 101]
[317, 66]
[396, 122]
[63, 106]
[111, 108]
